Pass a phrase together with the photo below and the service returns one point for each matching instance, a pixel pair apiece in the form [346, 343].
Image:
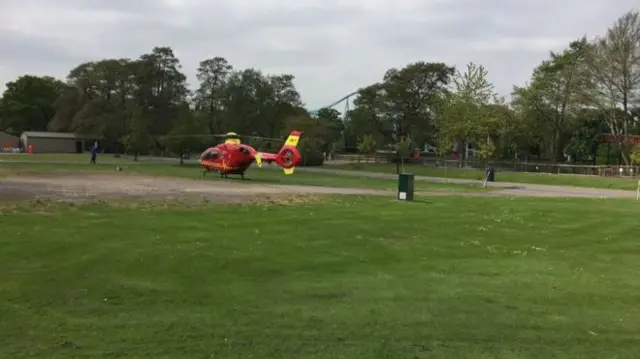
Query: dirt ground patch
[93, 186]
[86, 187]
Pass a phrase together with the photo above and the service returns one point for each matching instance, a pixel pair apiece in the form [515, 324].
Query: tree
[466, 113]
[183, 138]
[486, 149]
[613, 73]
[311, 152]
[412, 95]
[552, 97]
[583, 141]
[65, 107]
[281, 99]
[213, 75]
[258, 104]
[138, 140]
[369, 116]
[27, 103]
[403, 150]
[513, 134]
[635, 155]
[405, 103]
[161, 88]
[366, 145]
[312, 128]
[332, 120]
[100, 94]
[97, 100]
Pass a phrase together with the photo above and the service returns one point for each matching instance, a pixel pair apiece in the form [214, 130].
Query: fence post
[446, 178]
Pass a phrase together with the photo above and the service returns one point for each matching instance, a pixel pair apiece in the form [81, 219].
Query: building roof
[59, 135]
[8, 134]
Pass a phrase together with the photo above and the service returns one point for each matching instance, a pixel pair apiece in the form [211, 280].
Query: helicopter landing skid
[226, 175]
[222, 175]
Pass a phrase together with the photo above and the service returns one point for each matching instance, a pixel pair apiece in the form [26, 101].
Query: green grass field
[78, 164]
[346, 277]
[503, 176]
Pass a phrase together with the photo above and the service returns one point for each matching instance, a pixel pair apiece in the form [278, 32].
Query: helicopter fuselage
[228, 158]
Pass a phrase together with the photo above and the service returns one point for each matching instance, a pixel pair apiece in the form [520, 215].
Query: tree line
[144, 105]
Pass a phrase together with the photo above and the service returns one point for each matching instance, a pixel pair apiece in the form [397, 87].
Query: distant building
[8, 142]
[56, 142]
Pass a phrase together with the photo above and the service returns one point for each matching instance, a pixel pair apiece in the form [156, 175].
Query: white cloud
[331, 46]
[519, 44]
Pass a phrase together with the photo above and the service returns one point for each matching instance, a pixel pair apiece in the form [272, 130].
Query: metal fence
[8, 149]
[506, 166]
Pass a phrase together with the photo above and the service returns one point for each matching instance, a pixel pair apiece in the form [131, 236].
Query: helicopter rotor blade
[225, 136]
[265, 138]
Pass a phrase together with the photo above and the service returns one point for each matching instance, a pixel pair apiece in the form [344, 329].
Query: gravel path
[502, 188]
[90, 185]
[82, 187]
[128, 185]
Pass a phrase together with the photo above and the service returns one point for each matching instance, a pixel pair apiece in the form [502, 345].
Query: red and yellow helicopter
[234, 157]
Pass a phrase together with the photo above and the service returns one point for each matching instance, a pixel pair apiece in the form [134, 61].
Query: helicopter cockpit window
[244, 150]
[210, 155]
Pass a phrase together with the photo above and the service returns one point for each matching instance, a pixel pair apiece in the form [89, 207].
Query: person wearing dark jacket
[94, 152]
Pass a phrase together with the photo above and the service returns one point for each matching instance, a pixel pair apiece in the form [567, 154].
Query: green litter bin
[405, 186]
[491, 175]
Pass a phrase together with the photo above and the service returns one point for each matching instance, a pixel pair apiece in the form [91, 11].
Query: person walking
[94, 152]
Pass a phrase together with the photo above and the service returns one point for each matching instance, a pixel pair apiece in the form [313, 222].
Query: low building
[56, 142]
[8, 142]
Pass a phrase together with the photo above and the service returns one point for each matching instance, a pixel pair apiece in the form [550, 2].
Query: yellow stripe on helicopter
[292, 140]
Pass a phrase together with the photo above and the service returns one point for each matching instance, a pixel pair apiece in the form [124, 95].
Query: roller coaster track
[344, 99]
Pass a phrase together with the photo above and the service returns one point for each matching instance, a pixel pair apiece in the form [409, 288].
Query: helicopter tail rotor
[289, 155]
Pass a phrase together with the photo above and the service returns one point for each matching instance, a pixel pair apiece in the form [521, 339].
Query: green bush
[311, 152]
[312, 158]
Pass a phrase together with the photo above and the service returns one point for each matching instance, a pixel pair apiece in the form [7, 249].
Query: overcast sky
[332, 47]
